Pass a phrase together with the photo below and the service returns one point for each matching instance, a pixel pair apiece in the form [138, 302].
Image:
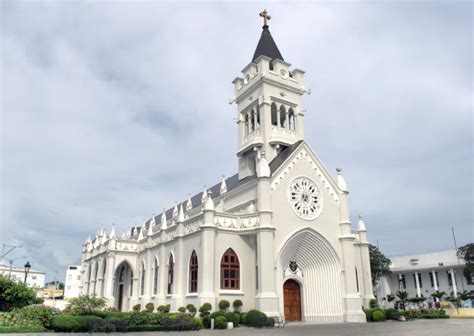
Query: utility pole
[10, 247]
[54, 291]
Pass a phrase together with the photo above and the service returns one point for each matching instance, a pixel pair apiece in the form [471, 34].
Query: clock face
[305, 198]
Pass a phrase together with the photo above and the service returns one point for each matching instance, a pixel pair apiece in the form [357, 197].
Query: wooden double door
[292, 300]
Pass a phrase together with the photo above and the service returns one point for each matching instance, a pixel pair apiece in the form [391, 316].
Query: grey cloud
[112, 111]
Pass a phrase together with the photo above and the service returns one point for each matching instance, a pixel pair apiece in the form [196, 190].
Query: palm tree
[403, 296]
[438, 295]
[464, 295]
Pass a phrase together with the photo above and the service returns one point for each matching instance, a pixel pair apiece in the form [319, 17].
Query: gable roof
[231, 183]
[267, 46]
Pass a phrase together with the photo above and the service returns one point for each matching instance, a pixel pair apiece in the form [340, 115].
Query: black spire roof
[267, 46]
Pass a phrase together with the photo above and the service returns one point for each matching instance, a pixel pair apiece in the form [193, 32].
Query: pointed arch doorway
[292, 300]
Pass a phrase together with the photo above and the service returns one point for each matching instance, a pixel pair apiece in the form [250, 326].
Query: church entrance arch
[310, 282]
[292, 300]
[123, 286]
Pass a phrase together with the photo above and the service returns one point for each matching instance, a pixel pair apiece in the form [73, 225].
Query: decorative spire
[361, 224]
[209, 205]
[223, 189]
[150, 226]
[266, 45]
[112, 232]
[341, 182]
[180, 214]
[103, 237]
[175, 210]
[204, 196]
[189, 204]
[163, 220]
[140, 234]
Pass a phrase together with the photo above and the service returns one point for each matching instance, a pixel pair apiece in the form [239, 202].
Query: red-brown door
[120, 297]
[292, 300]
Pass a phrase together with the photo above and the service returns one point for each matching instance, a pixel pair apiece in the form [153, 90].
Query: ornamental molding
[304, 157]
[305, 198]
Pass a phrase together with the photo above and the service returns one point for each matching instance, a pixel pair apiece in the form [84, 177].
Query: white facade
[277, 235]
[35, 279]
[73, 282]
[414, 274]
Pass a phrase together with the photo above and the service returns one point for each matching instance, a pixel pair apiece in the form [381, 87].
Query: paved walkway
[449, 327]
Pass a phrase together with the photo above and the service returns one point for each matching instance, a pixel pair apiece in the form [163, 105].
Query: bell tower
[268, 97]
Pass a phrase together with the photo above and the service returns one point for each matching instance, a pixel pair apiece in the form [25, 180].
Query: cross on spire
[265, 16]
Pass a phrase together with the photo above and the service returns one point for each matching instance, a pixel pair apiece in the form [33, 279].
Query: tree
[466, 252]
[464, 295]
[379, 264]
[403, 296]
[84, 305]
[438, 295]
[15, 294]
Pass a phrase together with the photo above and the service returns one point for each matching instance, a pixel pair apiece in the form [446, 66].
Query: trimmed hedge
[256, 318]
[22, 329]
[378, 316]
[220, 322]
[68, 323]
[234, 318]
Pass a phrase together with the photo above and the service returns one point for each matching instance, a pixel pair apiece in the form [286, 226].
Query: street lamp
[27, 269]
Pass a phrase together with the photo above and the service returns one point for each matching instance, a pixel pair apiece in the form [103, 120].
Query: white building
[276, 235]
[35, 279]
[423, 274]
[73, 282]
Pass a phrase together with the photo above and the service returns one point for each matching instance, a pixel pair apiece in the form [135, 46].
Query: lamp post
[27, 269]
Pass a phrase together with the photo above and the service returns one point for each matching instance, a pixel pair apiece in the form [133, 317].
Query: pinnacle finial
[339, 170]
[265, 16]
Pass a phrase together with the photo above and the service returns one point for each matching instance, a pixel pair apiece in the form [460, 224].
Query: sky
[111, 111]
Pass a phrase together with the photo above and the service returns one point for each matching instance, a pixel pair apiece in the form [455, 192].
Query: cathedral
[277, 235]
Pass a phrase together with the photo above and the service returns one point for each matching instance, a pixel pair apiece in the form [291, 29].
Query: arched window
[142, 279]
[252, 121]
[122, 272]
[247, 125]
[230, 270]
[291, 117]
[155, 276]
[193, 273]
[257, 125]
[170, 274]
[274, 115]
[131, 282]
[282, 116]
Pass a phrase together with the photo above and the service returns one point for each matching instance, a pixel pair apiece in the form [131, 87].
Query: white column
[417, 284]
[453, 279]
[435, 281]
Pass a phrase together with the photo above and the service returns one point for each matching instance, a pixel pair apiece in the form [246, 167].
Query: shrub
[368, 314]
[198, 322]
[223, 305]
[220, 322]
[191, 309]
[137, 307]
[237, 304]
[37, 314]
[182, 309]
[373, 303]
[378, 316]
[243, 318]
[206, 322]
[256, 318]
[15, 294]
[150, 307]
[270, 322]
[204, 309]
[143, 318]
[163, 309]
[84, 305]
[234, 318]
[120, 324]
[22, 329]
[216, 314]
[68, 323]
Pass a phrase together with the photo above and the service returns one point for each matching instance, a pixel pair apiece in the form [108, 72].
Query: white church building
[277, 235]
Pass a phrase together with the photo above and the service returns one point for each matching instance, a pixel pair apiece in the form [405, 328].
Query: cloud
[112, 111]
